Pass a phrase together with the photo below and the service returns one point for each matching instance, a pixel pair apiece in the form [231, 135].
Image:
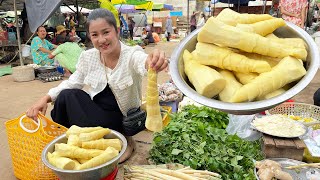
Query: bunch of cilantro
[196, 137]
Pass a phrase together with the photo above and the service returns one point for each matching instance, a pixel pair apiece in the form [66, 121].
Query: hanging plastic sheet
[106, 4]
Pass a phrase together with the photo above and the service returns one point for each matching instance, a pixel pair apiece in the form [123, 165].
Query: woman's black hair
[104, 14]
[40, 27]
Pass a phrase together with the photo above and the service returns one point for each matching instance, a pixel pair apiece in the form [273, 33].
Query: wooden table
[275, 147]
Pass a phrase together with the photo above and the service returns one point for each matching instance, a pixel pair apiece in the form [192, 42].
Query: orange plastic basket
[27, 139]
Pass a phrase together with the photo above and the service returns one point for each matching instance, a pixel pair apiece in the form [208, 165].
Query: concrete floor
[16, 97]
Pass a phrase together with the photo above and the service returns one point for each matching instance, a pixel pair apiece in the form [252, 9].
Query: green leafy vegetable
[196, 137]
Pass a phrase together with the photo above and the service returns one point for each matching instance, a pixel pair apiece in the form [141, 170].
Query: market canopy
[73, 9]
[126, 8]
[161, 6]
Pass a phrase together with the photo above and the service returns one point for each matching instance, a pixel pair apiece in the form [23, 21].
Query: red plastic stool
[112, 175]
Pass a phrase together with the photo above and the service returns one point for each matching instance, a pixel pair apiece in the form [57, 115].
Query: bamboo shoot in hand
[232, 85]
[263, 28]
[207, 81]
[106, 156]
[210, 54]
[288, 70]
[232, 18]
[215, 31]
[154, 119]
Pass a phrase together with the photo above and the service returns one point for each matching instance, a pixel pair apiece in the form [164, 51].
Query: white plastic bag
[241, 125]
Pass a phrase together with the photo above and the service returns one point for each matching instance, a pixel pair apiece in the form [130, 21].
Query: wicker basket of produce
[23, 73]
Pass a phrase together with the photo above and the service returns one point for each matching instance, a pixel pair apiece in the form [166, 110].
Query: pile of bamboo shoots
[239, 59]
[140, 173]
[86, 148]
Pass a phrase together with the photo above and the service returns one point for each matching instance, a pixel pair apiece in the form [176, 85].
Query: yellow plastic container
[26, 140]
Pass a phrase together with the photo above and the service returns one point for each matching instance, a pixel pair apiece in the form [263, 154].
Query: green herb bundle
[196, 137]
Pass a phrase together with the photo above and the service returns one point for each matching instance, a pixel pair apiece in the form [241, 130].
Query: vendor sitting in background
[62, 36]
[41, 48]
[149, 38]
[155, 37]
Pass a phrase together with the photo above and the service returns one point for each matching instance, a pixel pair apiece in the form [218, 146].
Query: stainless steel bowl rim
[46, 162]
[245, 107]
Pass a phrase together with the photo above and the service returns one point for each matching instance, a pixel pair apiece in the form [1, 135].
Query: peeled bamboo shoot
[272, 94]
[76, 152]
[106, 156]
[103, 144]
[207, 81]
[61, 162]
[245, 78]
[232, 18]
[73, 140]
[232, 85]
[288, 70]
[263, 28]
[224, 58]
[77, 130]
[94, 135]
[296, 42]
[217, 32]
[154, 119]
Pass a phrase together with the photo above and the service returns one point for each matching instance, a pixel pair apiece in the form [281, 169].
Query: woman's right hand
[40, 106]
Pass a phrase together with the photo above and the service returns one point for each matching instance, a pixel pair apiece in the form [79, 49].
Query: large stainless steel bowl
[95, 173]
[289, 31]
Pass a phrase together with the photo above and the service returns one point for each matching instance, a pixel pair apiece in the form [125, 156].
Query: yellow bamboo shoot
[245, 78]
[103, 144]
[272, 94]
[66, 150]
[288, 70]
[207, 81]
[82, 161]
[263, 28]
[154, 119]
[224, 58]
[106, 156]
[73, 140]
[232, 85]
[296, 42]
[232, 18]
[94, 135]
[61, 162]
[217, 32]
[76, 130]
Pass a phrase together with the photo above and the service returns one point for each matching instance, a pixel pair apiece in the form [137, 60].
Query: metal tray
[302, 174]
[295, 122]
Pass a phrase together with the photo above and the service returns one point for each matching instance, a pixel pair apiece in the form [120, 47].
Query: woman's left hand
[157, 60]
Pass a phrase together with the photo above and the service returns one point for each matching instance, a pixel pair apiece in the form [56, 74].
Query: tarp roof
[7, 5]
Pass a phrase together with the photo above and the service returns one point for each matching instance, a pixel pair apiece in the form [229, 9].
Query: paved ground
[16, 97]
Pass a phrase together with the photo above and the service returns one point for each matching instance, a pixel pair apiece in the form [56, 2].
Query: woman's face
[103, 36]
[42, 33]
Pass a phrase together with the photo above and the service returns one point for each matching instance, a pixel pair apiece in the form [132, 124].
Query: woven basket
[23, 73]
[26, 141]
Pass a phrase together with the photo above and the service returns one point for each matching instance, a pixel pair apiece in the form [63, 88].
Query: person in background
[155, 37]
[113, 72]
[67, 21]
[42, 48]
[294, 11]
[72, 22]
[201, 21]
[62, 36]
[131, 25]
[169, 29]
[193, 21]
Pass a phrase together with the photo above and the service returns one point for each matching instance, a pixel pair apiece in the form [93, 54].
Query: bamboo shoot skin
[154, 119]
[288, 70]
[207, 81]
[224, 58]
[232, 18]
[216, 32]
[232, 85]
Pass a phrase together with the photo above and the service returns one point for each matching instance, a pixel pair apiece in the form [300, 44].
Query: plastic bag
[241, 125]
